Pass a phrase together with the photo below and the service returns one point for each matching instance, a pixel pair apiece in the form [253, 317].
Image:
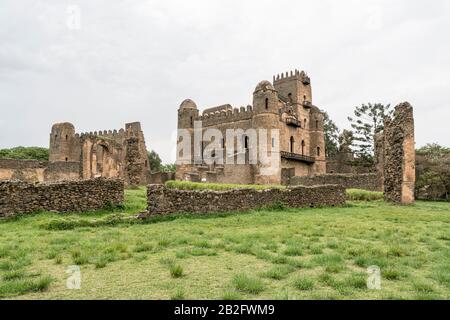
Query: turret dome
[264, 86]
[188, 104]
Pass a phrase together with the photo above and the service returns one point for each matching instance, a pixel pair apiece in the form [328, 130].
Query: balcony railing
[307, 104]
[306, 80]
[293, 122]
[297, 157]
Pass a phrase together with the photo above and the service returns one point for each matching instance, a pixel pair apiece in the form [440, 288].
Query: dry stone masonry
[399, 156]
[366, 181]
[162, 200]
[67, 196]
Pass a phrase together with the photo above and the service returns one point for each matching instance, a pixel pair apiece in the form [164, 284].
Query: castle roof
[264, 86]
[188, 104]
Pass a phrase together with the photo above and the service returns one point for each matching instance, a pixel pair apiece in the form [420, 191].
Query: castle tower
[266, 116]
[187, 115]
[63, 146]
[295, 87]
[317, 140]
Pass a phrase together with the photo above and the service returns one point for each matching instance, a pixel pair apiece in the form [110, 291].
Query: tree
[433, 172]
[171, 167]
[154, 160]
[367, 121]
[25, 153]
[331, 132]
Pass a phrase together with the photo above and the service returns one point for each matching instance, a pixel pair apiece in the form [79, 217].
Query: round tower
[266, 116]
[62, 140]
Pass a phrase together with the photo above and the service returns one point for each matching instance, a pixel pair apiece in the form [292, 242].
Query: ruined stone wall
[67, 196]
[62, 171]
[38, 171]
[160, 177]
[399, 155]
[104, 153]
[25, 170]
[366, 181]
[162, 200]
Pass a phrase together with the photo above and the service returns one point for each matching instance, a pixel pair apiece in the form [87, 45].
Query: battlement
[292, 75]
[226, 115]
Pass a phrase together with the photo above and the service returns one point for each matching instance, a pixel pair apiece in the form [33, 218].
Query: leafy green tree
[433, 172]
[25, 153]
[331, 132]
[170, 167]
[154, 160]
[367, 121]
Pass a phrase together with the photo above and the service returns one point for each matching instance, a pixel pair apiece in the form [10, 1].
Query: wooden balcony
[307, 104]
[297, 157]
[293, 122]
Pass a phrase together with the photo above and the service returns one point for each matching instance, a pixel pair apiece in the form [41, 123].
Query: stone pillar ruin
[399, 156]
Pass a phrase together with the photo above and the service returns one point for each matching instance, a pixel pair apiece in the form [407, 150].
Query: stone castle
[109, 154]
[285, 105]
[73, 156]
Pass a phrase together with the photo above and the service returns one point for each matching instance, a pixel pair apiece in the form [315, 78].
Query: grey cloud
[137, 60]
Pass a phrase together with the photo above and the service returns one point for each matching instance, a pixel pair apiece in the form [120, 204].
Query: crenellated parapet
[292, 75]
[226, 116]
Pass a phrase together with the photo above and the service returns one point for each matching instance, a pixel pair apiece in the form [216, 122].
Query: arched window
[304, 98]
[67, 159]
[67, 137]
[292, 143]
[192, 121]
[290, 97]
[146, 163]
[318, 151]
[303, 147]
[56, 136]
[246, 142]
[267, 103]
[304, 120]
[317, 124]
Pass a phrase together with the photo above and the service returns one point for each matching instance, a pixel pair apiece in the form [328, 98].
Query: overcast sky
[100, 64]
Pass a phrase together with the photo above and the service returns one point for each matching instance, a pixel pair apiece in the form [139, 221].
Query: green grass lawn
[320, 253]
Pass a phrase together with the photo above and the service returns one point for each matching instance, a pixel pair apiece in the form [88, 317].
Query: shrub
[303, 283]
[176, 271]
[278, 272]
[363, 195]
[245, 283]
[178, 295]
[22, 286]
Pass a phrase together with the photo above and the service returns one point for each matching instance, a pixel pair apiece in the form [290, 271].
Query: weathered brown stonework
[399, 156]
[366, 181]
[67, 196]
[162, 200]
[284, 105]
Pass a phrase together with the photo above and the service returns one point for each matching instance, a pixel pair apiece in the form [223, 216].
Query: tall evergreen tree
[154, 160]
[331, 132]
[367, 121]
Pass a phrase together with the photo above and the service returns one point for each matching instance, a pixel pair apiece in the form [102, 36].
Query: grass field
[318, 253]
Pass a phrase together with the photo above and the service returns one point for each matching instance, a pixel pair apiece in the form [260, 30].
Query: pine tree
[367, 121]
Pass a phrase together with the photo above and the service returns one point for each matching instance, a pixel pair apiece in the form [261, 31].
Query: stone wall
[366, 181]
[162, 200]
[67, 196]
[38, 171]
[160, 177]
[399, 155]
